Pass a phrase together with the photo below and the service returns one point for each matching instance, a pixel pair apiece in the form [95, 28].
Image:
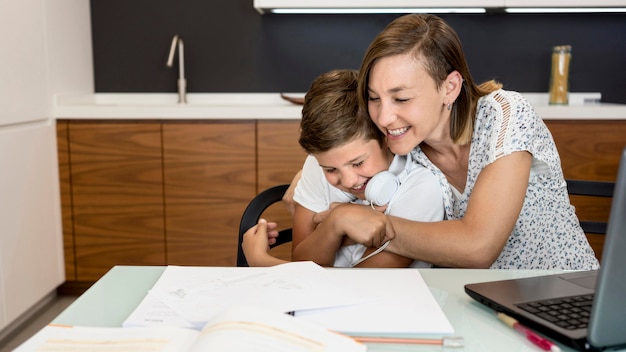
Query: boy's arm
[320, 246]
[419, 198]
[310, 242]
[290, 204]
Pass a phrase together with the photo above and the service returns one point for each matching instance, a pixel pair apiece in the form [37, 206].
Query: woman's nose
[385, 115]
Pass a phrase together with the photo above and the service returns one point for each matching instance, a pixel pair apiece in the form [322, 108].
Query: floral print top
[547, 234]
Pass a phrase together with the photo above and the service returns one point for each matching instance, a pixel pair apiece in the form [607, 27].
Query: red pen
[539, 341]
[447, 342]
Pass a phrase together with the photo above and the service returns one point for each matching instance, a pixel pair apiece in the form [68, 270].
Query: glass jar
[559, 79]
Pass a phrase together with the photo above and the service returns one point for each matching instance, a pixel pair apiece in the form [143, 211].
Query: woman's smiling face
[405, 103]
[351, 165]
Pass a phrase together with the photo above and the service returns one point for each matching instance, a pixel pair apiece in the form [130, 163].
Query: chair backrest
[252, 214]
[593, 189]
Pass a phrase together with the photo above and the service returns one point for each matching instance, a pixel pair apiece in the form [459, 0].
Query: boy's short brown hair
[331, 115]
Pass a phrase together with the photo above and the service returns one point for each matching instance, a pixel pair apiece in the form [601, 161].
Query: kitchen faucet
[182, 83]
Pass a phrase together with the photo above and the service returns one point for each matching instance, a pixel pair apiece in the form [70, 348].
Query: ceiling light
[377, 10]
[565, 9]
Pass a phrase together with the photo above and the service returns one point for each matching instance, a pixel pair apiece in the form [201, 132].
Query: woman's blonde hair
[437, 46]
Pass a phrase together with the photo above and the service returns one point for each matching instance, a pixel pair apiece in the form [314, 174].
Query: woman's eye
[399, 100]
[373, 99]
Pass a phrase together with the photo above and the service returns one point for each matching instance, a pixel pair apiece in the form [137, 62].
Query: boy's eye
[359, 164]
[400, 100]
[329, 171]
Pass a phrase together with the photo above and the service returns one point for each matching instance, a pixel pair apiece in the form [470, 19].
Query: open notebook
[596, 324]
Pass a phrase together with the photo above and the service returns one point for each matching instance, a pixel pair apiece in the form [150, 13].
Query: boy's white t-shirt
[418, 198]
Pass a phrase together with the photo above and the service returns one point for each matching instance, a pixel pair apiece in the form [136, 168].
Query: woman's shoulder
[509, 106]
[503, 97]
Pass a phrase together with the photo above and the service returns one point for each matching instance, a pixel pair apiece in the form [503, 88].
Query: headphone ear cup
[381, 188]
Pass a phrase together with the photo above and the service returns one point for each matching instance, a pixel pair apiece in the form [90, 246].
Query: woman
[347, 154]
[504, 192]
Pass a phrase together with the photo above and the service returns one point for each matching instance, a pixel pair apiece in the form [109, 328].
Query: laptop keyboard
[569, 312]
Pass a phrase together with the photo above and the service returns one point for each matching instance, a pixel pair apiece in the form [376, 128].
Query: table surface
[112, 298]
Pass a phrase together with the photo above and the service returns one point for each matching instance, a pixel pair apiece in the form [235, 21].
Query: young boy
[345, 151]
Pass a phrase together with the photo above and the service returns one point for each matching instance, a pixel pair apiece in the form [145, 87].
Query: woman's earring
[449, 107]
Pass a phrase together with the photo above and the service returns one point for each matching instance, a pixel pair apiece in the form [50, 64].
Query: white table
[110, 300]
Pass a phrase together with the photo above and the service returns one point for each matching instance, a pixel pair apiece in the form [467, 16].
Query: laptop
[604, 315]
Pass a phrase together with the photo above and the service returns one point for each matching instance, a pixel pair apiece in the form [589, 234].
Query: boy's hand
[272, 231]
[256, 242]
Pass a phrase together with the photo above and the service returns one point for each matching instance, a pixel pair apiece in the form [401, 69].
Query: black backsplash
[229, 47]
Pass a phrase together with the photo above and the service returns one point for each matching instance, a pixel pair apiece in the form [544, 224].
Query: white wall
[23, 63]
[70, 58]
[46, 48]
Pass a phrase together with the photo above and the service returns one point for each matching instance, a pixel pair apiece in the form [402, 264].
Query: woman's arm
[475, 241]
[320, 244]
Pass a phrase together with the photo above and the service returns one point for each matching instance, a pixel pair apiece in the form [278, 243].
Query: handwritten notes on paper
[347, 300]
[189, 296]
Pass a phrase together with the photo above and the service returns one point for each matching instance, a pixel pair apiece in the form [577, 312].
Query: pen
[452, 341]
[539, 341]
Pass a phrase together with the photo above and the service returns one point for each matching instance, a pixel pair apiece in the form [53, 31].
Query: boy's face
[350, 166]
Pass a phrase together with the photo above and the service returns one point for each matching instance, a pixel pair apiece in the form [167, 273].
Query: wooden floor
[30, 327]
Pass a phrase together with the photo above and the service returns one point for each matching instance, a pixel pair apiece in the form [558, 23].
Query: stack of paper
[370, 301]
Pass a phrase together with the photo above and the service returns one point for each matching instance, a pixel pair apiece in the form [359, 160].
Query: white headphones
[381, 188]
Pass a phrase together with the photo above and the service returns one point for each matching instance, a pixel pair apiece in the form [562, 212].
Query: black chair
[593, 189]
[252, 214]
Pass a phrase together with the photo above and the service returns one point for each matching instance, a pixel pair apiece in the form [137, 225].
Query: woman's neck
[452, 159]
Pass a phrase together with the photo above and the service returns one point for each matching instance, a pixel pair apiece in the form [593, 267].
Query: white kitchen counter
[260, 106]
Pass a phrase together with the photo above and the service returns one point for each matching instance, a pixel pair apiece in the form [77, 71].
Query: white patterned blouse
[547, 234]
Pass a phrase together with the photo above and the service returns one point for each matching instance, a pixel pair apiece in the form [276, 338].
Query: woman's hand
[360, 223]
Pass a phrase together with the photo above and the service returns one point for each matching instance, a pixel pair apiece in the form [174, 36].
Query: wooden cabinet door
[63, 152]
[209, 178]
[280, 155]
[590, 150]
[117, 195]
[280, 158]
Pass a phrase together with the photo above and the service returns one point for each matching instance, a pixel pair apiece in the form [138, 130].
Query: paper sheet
[190, 296]
[344, 300]
[406, 305]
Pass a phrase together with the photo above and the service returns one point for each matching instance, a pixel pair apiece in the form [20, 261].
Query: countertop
[260, 106]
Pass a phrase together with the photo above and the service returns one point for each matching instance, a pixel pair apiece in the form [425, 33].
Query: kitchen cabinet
[45, 50]
[209, 178]
[171, 192]
[590, 150]
[66, 199]
[117, 207]
[166, 192]
[31, 262]
[280, 158]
